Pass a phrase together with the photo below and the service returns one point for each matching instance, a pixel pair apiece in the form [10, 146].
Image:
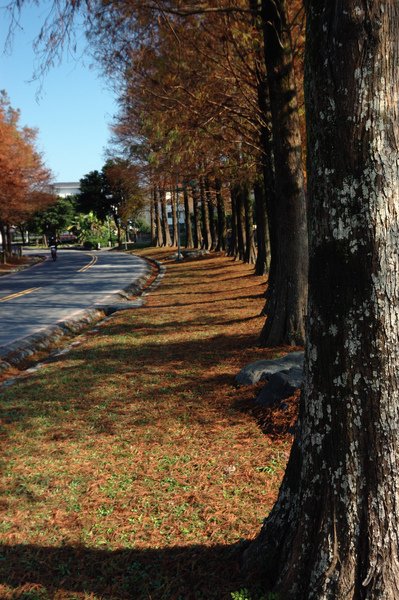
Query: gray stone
[281, 385]
[263, 369]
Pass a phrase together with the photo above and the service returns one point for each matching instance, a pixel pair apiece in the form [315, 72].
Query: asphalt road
[50, 292]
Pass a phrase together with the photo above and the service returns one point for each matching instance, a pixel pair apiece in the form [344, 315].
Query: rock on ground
[283, 376]
[281, 385]
[263, 369]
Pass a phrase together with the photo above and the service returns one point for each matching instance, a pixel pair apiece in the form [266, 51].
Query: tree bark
[9, 239]
[221, 221]
[262, 230]
[241, 232]
[211, 212]
[175, 225]
[158, 225]
[286, 299]
[206, 232]
[197, 219]
[166, 240]
[233, 242]
[187, 219]
[250, 250]
[3, 237]
[152, 218]
[22, 231]
[333, 533]
[264, 187]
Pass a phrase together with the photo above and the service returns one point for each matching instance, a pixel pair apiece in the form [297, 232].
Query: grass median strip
[131, 466]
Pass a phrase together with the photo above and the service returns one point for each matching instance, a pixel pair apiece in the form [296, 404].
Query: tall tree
[164, 218]
[196, 216]
[262, 264]
[54, 218]
[116, 191]
[287, 293]
[206, 232]
[221, 221]
[211, 213]
[152, 218]
[233, 241]
[333, 532]
[187, 218]
[158, 225]
[24, 180]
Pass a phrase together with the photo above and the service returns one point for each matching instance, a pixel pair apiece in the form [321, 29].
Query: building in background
[66, 188]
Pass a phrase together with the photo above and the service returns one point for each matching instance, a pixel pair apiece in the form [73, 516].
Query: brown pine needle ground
[132, 466]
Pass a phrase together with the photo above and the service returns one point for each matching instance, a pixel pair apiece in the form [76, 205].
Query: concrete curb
[13, 354]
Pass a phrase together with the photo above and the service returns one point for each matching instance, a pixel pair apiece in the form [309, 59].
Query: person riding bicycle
[53, 241]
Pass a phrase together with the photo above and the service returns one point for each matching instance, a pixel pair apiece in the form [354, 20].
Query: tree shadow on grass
[277, 420]
[176, 573]
[197, 291]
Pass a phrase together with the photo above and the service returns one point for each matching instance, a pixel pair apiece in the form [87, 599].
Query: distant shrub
[92, 244]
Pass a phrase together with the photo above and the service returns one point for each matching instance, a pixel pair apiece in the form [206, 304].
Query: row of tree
[24, 179]
[216, 217]
[209, 91]
[208, 101]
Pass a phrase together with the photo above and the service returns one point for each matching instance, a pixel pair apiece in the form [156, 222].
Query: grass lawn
[132, 466]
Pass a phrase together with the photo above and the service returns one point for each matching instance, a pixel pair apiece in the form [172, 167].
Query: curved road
[45, 294]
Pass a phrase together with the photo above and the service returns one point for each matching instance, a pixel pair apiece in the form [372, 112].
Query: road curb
[15, 353]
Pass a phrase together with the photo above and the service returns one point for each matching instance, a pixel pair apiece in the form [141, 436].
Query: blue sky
[74, 108]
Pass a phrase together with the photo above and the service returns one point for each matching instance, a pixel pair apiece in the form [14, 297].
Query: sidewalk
[137, 467]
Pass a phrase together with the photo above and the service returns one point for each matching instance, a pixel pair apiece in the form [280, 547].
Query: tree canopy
[24, 180]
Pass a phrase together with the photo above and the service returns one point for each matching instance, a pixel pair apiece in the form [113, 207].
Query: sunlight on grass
[130, 468]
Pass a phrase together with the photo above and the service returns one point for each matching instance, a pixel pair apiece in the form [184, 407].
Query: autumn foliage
[24, 180]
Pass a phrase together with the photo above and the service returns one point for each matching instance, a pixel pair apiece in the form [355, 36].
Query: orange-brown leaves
[24, 179]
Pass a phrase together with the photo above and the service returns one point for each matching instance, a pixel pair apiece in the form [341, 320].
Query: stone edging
[13, 354]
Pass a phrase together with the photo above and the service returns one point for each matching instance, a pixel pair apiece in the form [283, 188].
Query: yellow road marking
[91, 263]
[18, 294]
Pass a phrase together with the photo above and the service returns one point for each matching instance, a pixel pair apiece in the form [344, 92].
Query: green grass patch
[132, 467]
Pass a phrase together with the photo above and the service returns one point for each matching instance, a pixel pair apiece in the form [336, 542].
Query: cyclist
[53, 243]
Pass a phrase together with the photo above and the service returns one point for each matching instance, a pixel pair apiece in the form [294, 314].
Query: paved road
[40, 296]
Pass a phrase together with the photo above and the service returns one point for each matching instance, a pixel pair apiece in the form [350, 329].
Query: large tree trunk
[240, 207]
[233, 242]
[22, 231]
[117, 222]
[158, 225]
[286, 299]
[152, 218]
[211, 212]
[164, 219]
[221, 212]
[187, 219]
[206, 232]
[250, 249]
[197, 218]
[9, 239]
[262, 230]
[333, 533]
[3, 237]
[264, 187]
[175, 224]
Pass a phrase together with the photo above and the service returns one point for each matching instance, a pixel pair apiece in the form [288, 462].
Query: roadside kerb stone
[13, 354]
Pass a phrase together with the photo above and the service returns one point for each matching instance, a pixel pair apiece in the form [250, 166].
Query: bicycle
[53, 250]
